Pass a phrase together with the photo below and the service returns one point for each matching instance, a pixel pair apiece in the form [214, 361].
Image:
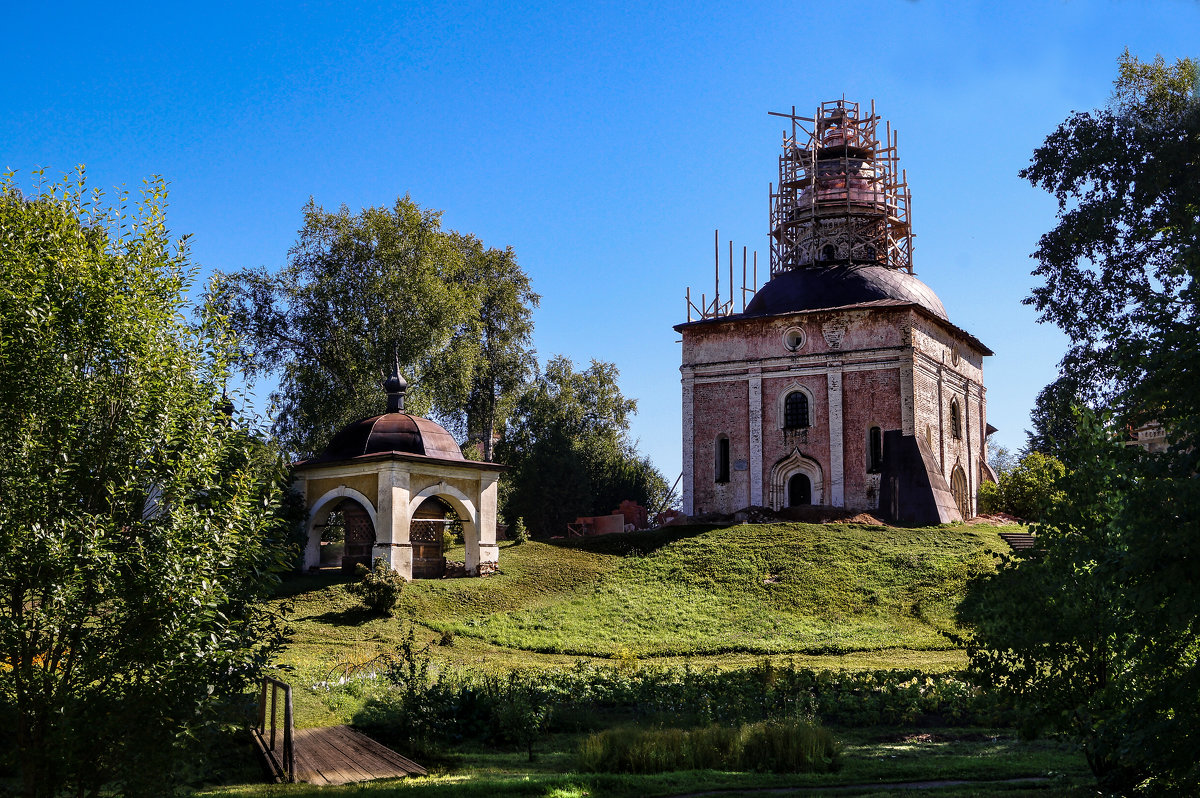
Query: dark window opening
[828, 252]
[799, 491]
[722, 459]
[795, 411]
[875, 454]
[955, 419]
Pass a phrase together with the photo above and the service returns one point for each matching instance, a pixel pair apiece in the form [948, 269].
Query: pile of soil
[995, 519]
[814, 514]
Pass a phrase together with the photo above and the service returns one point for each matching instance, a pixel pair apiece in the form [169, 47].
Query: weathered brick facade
[891, 365]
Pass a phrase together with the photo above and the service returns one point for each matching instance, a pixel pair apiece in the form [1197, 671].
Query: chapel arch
[427, 533]
[458, 503]
[355, 513]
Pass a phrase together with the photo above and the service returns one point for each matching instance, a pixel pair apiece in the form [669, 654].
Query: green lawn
[832, 596]
[825, 596]
[871, 757]
[796, 589]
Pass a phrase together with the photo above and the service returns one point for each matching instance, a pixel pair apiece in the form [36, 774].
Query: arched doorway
[427, 532]
[360, 535]
[326, 538]
[958, 489]
[346, 535]
[796, 480]
[799, 490]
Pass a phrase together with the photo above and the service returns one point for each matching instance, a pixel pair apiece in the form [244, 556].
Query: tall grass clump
[782, 746]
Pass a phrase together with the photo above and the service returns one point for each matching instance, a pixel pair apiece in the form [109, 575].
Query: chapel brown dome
[398, 433]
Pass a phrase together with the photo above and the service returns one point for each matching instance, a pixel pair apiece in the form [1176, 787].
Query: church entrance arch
[788, 491]
[799, 490]
[958, 489]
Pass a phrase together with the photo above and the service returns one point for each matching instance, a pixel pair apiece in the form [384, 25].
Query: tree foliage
[135, 516]
[1097, 631]
[567, 441]
[495, 347]
[363, 291]
[1120, 266]
[1027, 490]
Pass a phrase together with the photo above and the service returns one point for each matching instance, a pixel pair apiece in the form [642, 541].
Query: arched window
[875, 450]
[721, 460]
[828, 252]
[955, 419]
[795, 411]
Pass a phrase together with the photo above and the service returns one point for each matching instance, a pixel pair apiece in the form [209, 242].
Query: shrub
[1027, 491]
[785, 746]
[989, 497]
[519, 533]
[379, 588]
[788, 746]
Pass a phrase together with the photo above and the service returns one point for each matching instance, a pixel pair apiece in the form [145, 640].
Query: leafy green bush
[379, 587]
[1026, 491]
[423, 708]
[781, 746]
[989, 497]
[519, 533]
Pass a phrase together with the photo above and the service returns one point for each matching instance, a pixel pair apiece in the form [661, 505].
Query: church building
[842, 381]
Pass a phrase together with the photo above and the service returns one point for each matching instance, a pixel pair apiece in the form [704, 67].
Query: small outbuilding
[397, 480]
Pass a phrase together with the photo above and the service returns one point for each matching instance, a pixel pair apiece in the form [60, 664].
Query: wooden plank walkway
[341, 755]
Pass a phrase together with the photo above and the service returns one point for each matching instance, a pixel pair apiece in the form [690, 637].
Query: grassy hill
[695, 592]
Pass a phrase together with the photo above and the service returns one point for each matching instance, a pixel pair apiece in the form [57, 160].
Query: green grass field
[837, 596]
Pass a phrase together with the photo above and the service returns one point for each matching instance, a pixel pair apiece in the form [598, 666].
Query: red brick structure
[842, 382]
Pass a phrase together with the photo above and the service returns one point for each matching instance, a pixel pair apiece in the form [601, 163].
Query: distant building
[842, 382]
[1150, 436]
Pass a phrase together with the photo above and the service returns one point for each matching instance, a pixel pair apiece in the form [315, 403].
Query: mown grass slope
[685, 592]
[751, 588]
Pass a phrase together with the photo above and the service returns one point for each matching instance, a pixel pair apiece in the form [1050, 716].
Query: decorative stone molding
[833, 332]
[788, 467]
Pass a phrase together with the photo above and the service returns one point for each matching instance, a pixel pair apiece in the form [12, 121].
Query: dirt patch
[995, 519]
[814, 514]
[932, 737]
[861, 518]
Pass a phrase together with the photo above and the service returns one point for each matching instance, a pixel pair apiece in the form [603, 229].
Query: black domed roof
[820, 287]
[392, 432]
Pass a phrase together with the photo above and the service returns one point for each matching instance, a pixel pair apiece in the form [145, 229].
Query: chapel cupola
[841, 198]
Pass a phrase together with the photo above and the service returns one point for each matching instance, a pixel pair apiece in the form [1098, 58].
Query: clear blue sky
[604, 142]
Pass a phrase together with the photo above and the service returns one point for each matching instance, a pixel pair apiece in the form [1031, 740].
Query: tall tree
[363, 291]
[495, 344]
[1119, 269]
[136, 517]
[359, 291]
[567, 441]
[1097, 632]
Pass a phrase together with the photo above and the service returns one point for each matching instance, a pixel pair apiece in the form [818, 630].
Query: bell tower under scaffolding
[841, 197]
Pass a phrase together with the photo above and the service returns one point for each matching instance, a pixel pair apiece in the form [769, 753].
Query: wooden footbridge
[327, 755]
